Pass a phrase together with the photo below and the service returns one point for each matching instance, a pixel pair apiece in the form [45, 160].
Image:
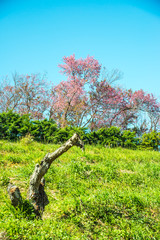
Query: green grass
[97, 194]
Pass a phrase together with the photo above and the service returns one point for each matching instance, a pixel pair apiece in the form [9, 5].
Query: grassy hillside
[97, 194]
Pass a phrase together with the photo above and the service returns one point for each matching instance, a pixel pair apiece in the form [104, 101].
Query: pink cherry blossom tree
[71, 98]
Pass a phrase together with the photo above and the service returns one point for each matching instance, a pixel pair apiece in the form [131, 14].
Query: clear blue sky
[36, 34]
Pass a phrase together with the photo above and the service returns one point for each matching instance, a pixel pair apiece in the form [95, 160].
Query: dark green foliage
[110, 136]
[129, 139]
[91, 138]
[13, 126]
[43, 130]
[63, 134]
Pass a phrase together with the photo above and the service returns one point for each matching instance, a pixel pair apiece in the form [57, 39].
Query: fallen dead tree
[36, 194]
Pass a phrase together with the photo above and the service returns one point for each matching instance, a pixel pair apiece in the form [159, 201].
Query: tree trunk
[36, 193]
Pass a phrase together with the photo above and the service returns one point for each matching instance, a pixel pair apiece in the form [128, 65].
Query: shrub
[43, 130]
[150, 140]
[13, 126]
[109, 136]
[129, 139]
[63, 134]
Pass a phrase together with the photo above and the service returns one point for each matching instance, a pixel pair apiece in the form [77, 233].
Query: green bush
[129, 139]
[91, 138]
[150, 140]
[13, 126]
[43, 130]
[106, 136]
[63, 134]
[110, 136]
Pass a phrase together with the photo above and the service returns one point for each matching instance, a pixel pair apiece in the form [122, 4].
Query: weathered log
[36, 193]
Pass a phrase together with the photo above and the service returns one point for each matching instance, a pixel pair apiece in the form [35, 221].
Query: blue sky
[36, 34]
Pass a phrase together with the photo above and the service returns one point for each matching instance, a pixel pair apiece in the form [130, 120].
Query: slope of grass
[97, 194]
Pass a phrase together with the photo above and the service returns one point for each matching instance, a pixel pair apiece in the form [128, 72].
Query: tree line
[14, 127]
[89, 97]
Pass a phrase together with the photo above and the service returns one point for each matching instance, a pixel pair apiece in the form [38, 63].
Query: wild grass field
[101, 193]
